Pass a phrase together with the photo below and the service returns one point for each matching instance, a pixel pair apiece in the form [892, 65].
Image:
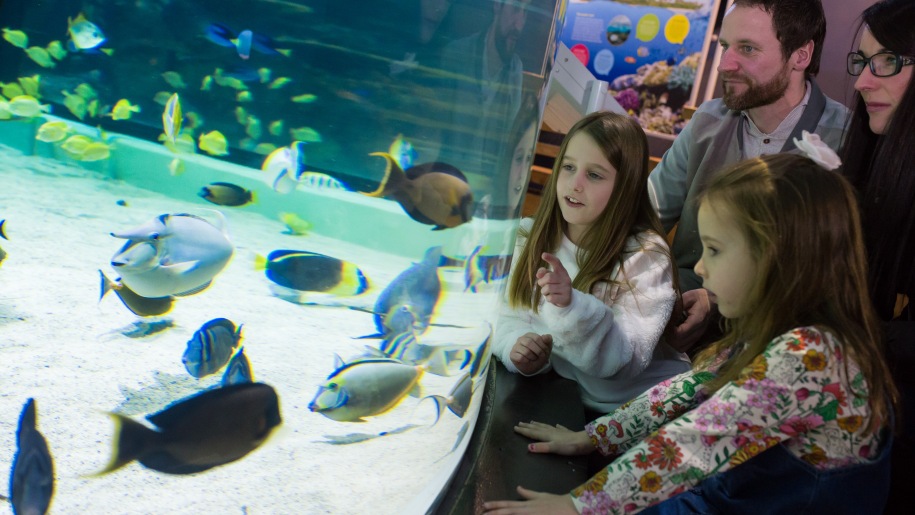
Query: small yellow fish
[264, 74]
[30, 85]
[12, 89]
[174, 80]
[184, 143]
[306, 134]
[176, 167]
[253, 128]
[86, 91]
[95, 151]
[27, 106]
[40, 56]
[123, 110]
[275, 127]
[243, 96]
[171, 118]
[75, 103]
[207, 83]
[295, 224]
[214, 143]
[92, 108]
[162, 97]
[279, 82]
[16, 38]
[56, 50]
[229, 82]
[264, 148]
[241, 115]
[193, 120]
[84, 35]
[306, 98]
[75, 145]
[52, 131]
[5, 113]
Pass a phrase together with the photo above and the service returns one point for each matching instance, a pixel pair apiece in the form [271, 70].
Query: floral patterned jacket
[673, 436]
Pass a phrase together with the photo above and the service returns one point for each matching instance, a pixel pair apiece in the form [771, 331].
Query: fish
[214, 143]
[173, 254]
[275, 128]
[305, 98]
[171, 118]
[457, 400]
[226, 194]
[12, 89]
[435, 194]
[27, 106]
[264, 148]
[295, 225]
[92, 108]
[312, 272]
[123, 110]
[473, 275]
[76, 104]
[40, 56]
[416, 289]
[75, 145]
[32, 474]
[176, 167]
[95, 151]
[229, 80]
[239, 370]
[642, 51]
[629, 59]
[30, 86]
[17, 38]
[306, 134]
[144, 328]
[140, 306]
[365, 388]
[174, 79]
[86, 91]
[2, 255]
[264, 75]
[279, 82]
[206, 84]
[161, 97]
[5, 113]
[51, 132]
[243, 42]
[284, 165]
[2, 230]
[244, 96]
[194, 120]
[206, 430]
[403, 152]
[443, 360]
[253, 127]
[320, 181]
[211, 347]
[84, 35]
[56, 50]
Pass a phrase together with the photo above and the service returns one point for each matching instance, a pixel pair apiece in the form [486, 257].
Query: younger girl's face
[727, 266]
[584, 185]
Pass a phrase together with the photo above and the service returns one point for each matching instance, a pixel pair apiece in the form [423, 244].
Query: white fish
[173, 254]
[284, 166]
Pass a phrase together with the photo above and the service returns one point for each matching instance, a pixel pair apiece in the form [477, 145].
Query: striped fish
[211, 347]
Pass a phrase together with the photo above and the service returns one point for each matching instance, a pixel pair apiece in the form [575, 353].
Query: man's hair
[795, 22]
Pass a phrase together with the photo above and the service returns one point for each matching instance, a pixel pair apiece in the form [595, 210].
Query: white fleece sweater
[607, 341]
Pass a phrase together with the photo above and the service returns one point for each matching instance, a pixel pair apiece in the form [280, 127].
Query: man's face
[753, 70]
[509, 21]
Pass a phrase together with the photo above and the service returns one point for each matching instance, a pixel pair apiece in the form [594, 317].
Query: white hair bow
[814, 148]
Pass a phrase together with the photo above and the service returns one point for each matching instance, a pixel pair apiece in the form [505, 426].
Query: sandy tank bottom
[61, 346]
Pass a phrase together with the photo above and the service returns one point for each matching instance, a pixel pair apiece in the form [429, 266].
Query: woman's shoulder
[807, 338]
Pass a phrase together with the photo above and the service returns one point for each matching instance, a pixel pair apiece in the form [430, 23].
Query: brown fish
[140, 306]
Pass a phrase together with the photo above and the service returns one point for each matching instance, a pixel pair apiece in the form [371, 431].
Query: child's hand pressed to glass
[555, 285]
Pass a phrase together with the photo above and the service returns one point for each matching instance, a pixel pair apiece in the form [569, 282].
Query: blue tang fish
[243, 42]
[457, 400]
[32, 475]
[239, 370]
[211, 347]
[200, 432]
[410, 299]
[364, 389]
[173, 254]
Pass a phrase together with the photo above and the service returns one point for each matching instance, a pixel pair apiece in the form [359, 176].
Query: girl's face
[520, 167]
[727, 266]
[881, 94]
[584, 185]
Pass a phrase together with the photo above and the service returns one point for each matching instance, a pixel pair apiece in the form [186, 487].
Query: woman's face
[522, 158]
[882, 95]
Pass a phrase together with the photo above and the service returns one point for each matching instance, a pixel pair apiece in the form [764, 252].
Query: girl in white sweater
[593, 285]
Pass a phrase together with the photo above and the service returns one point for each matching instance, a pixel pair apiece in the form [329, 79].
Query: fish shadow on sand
[166, 389]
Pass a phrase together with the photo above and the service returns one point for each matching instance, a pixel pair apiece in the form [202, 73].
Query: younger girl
[592, 286]
[789, 412]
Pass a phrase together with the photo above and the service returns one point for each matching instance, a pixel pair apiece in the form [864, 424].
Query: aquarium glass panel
[251, 252]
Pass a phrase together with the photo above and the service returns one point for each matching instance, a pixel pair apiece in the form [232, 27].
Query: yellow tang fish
[86, 91]
[295, 224]
[279, 82]
[305, 98]
[241, 115]
[306, 134]
[56, 50]
[253, 128]
[207, 83]
[275, 127]
[40, 56]
[243, 96]
[214, 143]
[53, 131]
[161, 97]
[76, 104]
[75, 145]
[176, 167]
[5, 113]
[123, 110]
[92, 108]
[27, 106]
[95, 151]
[264, 74]
[12, 89]
[30, 85]
[264, 148]
[174, 80]
[16, 38]
[171, 118]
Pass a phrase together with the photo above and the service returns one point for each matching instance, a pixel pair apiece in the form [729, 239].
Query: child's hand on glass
[531, 352]
[556, 439]
[555, 285]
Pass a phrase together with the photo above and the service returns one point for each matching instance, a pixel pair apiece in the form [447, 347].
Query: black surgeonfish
[309, 271]
[32, 476]
[140, 306]
[211, 347]
[431, 193]
[200, 432]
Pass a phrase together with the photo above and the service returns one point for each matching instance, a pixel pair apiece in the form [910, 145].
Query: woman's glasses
[882, 64]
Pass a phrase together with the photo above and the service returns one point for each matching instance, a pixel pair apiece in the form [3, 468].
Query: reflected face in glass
[882, 95]
[584, 186]
[727, 266]
[509, 24]
[753, 71]
[520, 167]
[433, 12]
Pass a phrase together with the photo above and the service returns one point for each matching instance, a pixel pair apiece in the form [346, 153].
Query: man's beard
[504, 47]
[757, 95]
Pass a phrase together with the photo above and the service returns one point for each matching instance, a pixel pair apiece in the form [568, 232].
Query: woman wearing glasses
[879, 158]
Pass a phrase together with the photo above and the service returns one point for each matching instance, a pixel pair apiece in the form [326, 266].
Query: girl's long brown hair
[628, 212]
[802, 224]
